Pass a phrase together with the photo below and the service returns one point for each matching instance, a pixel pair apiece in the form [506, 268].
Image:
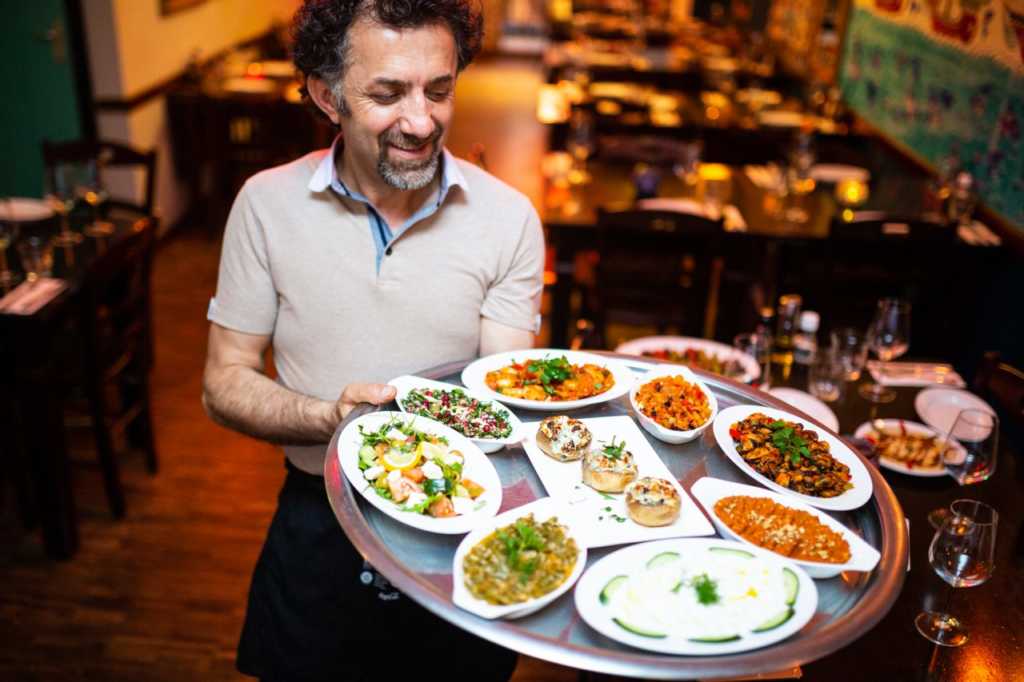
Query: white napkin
[28, 297]
[914, 374]
[731, 216]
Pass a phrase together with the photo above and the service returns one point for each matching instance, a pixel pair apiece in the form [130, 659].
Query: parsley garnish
[613, 451]
[522, 540]
[548, 371]
[789, 444]
[706, 588]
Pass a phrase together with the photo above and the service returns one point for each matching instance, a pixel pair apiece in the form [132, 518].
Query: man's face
[397, 101]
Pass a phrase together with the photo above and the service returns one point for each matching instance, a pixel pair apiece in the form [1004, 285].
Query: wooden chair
[107, 155]
[658, 268]
[1003, 386]
[117, 354]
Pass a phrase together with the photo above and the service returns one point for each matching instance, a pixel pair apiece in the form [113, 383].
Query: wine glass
[61, 197]
[889, 338]
[91, 191]
[969, 452]
[759, 347]
[8, 234]
[687, 166]
[963, 554]
[581, 140]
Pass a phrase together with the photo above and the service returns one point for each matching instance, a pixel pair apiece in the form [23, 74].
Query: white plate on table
[542, 510]
[406, 383]
[673, 436]
[476, 467]
[595, 514]
[863, 557]
[913, 428]
[632, 561]
[859, 476]
[808, 404]
[475, 374]
[837, 172]
[679, 344]
[939, 408]
[24, 209]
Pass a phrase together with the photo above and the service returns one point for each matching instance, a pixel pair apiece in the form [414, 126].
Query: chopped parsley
[549, 371]
[522, 542]
[789, 444]
[613, 451]
[706, 588]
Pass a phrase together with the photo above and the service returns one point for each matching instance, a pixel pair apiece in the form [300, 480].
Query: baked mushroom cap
[563, 438]
[653, 501]
[607, 474]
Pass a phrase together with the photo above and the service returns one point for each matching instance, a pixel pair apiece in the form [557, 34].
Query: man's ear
[323, 96]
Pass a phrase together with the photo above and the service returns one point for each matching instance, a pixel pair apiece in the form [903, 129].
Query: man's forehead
[379, 52]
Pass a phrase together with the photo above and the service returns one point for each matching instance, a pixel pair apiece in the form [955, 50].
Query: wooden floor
[160, 595]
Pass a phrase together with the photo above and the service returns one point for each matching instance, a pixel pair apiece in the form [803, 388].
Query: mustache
[396, 138]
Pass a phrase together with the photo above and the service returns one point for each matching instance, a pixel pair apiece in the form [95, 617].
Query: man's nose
[416, 119]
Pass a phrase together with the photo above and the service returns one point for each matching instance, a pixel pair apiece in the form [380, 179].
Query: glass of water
[963, 554]
[970, 453]
[851, 349]
[826, 376]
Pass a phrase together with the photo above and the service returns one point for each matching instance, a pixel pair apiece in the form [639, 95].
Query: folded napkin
[978, 234]
[914, 374]
[28, 297]
[731, 217]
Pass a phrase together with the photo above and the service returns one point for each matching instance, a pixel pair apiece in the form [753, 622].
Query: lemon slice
[431, 450]
[402, 461]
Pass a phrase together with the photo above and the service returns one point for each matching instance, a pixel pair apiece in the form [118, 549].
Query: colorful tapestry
[946, 78]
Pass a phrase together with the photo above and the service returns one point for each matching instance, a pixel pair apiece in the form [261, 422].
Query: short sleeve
[246, 298]
[514, 298]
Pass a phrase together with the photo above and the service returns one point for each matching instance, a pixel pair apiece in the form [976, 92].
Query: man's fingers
[375, 394]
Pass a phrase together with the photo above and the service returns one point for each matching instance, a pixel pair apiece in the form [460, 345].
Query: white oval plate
[657, 430]
[863, 557]
[913, 428]
[542, 510]
[859, 476]
[808, 404]
[25, 209]
[751, 370]
[407, 383]
[634, 558]
[939, 407]
[476, 466]
[475, 374]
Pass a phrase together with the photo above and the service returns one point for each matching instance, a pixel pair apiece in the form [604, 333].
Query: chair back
[1003, 385]
[107, 155]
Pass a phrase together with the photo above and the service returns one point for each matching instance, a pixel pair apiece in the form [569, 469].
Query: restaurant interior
[814, 206]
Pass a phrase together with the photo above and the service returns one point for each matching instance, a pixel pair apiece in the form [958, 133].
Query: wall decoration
[946, 79]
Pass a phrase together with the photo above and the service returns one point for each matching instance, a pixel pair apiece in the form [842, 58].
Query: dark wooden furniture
[106, 155]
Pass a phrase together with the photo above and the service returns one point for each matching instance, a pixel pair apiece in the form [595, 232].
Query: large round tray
[419, 564]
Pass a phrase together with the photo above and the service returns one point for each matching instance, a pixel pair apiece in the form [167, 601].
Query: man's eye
[381, 98]
[439, 95]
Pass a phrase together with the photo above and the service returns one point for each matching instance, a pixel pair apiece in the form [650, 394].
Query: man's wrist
[322, 415]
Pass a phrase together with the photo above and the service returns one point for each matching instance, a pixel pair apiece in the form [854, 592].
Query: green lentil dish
[519, 562]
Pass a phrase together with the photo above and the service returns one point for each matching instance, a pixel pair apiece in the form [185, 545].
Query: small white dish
[542, 510]
[474, 377]
[652, 427]
[939, 408]
[476, 466]
[863, 557]
[406, 383]
[751, 371]
[865, 430]
[808, 404]
[24, 209]
[853, 498]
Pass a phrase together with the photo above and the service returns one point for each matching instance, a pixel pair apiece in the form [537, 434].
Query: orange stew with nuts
[675, 403]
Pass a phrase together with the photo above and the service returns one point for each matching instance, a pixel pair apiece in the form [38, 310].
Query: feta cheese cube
[463, 505]
[414, 499]
[431, 470]
[373, 473]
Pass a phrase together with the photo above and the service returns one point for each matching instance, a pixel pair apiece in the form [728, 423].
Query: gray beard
[409, 177]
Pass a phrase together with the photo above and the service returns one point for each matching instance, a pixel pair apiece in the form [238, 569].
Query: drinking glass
[757, 346]
[90, 190]
[889, 338]
[581, 140]
[36, 256]
[969, 451]
[61, 197]
[687, 166]
[8, 234]
[851, 349]
[963, 554]
[825, 376]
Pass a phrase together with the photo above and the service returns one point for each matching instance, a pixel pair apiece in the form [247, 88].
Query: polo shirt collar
[326, 174]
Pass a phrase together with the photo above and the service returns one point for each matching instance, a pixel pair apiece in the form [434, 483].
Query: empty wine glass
[61, 197]
[91, 191]
[969, 452]
[8, 234]
[759, 347]
[963, 554]
[889, 338]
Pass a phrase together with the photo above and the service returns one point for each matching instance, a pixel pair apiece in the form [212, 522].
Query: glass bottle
[805, 342]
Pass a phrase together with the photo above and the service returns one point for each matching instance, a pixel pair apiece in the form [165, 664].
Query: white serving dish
[652, 427]
[678, 344]
[542, 510]
[859, 476]
[407, 383]
[476, 467]
[630, 560]
[593, 513]
[913, 428]
[474, 377]
[939, 408]
[863, 557]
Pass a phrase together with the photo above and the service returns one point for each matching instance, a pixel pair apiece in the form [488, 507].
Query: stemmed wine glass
[969, 453]
[8, 234]
[581, 140]
[963, 554]
[61, 197]
[889, 338]
[91, 191]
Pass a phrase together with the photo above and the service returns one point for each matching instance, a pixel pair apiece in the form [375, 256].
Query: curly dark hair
[320, 29]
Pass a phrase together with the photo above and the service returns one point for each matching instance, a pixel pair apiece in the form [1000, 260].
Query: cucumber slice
[730, 550]
[367, 455]
[662, 559]
[792, 585]
[715, 640]
[639, 631]
[775, 622]
[611, 588]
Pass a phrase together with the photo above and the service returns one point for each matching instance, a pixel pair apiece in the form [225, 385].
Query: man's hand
[375, 394]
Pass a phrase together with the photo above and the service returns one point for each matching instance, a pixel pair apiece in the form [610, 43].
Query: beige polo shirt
[299, 263]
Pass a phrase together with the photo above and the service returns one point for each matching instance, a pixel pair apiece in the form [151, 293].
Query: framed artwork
[173, 6]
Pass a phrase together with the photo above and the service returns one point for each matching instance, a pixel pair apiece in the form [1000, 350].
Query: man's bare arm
[237, 394]
[498, 338]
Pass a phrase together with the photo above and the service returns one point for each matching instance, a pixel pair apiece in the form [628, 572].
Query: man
[383, 256]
